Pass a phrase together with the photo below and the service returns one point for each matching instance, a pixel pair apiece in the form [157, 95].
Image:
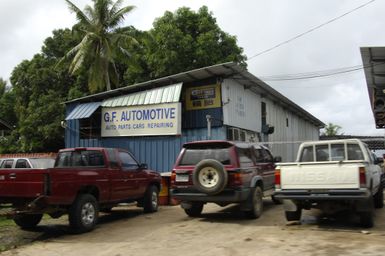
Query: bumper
[340, 194]
[226, 196]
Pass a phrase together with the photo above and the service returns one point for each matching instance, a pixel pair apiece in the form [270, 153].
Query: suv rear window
[192, 156]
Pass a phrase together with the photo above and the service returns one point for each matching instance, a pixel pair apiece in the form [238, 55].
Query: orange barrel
[164, 194]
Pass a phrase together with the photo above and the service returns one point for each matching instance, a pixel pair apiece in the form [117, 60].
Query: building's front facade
[153, 119]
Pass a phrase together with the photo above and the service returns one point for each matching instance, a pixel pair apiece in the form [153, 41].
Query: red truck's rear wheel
[83, 214]
[27, 221]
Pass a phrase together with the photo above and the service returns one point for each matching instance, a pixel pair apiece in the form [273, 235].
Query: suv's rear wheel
[210, 177]
[27, 221]
[195, 210]
[256, 203]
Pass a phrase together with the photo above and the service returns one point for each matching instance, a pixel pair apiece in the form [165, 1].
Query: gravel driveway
[220, 231]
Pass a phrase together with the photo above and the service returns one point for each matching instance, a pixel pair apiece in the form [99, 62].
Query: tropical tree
[38, 91]
[103, 41]
[185, 40]
[332, 130]
[3, 86]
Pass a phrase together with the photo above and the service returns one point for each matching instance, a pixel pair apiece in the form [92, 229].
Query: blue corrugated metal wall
[197, 118]
[72, 129]
[159, 152]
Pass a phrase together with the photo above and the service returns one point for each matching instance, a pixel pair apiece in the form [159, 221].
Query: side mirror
[277, 159]
[143, 166]
[378, 160]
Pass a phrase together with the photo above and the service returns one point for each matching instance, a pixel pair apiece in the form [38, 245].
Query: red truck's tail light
[277, 179]
[172, 178]
[362, 172]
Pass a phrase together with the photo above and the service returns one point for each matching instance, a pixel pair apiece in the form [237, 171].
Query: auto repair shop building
[222, 102]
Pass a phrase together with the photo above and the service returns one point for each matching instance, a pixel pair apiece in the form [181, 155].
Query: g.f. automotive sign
[148, 120]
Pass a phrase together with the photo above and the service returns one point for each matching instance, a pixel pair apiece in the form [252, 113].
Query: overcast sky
[258, 25]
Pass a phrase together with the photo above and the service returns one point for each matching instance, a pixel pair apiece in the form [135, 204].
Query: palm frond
[113, 74]
[102, 12]
[96, 78]
[117, 17]
[79, 14]
[115, 7]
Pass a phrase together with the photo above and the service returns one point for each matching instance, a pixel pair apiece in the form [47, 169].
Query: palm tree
[103, 40]
[332, 130]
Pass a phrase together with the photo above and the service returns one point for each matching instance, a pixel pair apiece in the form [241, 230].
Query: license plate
[181, 177]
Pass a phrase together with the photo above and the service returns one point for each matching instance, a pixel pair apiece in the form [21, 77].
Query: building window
[90, 128]
[263, 113]
[237, 134]
[287, 122]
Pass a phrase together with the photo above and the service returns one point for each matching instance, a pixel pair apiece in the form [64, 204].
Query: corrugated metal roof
[373, 59]
[225, 70]
[166, 94]
[84, 110]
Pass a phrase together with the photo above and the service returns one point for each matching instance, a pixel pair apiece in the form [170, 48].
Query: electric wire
[318, 74]
[310, 30]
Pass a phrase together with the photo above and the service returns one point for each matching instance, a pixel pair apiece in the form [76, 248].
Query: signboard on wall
[147, 120]
[203, 97]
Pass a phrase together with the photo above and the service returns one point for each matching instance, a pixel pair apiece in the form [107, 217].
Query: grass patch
[5, 222]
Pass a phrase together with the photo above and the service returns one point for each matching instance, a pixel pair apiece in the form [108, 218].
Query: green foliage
[103, 41]
[36, 98]
[3, 86]
[187, 40]
[99, 54]
[332, 130]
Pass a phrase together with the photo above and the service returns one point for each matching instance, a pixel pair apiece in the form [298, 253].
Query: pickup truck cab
[331, 176]
[83, 182]
[223, 172]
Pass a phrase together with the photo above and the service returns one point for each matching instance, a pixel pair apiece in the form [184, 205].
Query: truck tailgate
[23, 183]
[320, 176]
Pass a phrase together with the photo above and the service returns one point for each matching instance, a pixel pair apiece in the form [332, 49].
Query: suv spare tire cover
[210, 176]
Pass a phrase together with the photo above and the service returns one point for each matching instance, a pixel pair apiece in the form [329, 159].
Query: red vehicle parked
[223, 172]
[83, 182]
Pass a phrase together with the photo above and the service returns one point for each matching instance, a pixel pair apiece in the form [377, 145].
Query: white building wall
[286, 139]
[242, 109]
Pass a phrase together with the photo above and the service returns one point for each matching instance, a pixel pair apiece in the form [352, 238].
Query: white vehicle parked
[27, 162]
[331, 176]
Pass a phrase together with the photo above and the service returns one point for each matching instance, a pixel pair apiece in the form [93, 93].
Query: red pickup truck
[83, 182]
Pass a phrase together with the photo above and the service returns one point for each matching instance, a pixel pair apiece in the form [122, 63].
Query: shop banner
[203, 97]
[143, 120]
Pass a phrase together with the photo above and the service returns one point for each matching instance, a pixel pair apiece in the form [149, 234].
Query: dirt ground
[220, 231]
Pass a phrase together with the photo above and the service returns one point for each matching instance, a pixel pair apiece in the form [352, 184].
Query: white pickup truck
[331, 176]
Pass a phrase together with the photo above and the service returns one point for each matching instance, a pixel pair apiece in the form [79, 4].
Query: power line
[317, 74]
[310, 30]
